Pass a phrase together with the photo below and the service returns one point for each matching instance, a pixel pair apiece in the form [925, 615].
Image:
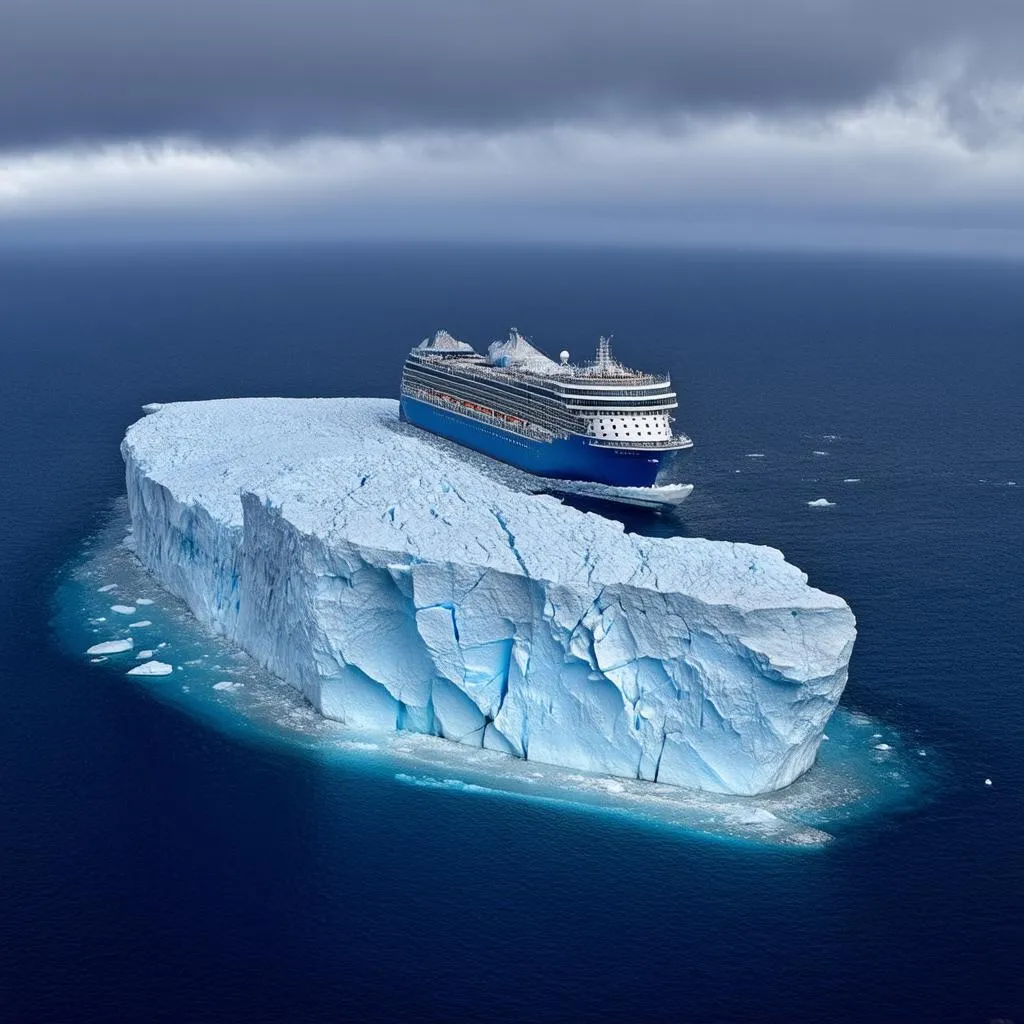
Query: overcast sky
[895, 124]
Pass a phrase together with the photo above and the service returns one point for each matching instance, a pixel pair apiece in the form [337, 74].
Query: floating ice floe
[144, 600]
[139, 624]
[988, 782]
[820, 453]
[151, 668]
[227, 684]
[882, 746]
[142, 655]
[123, 609]
[852, 480]
[106, 590]
[112, 647]
[821, 503]
[755, 455]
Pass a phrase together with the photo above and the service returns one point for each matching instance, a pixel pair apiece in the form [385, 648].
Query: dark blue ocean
[156, 867]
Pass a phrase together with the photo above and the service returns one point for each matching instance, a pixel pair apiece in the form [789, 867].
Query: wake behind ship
[601, 423]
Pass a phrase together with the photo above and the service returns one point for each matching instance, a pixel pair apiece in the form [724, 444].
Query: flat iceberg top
[347, 468]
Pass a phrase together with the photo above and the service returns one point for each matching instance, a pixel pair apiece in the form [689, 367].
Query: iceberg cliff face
[374, 568]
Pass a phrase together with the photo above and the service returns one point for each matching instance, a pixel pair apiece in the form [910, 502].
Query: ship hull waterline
[571, 458]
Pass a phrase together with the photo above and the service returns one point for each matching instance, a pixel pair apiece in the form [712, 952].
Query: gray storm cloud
[97, 70]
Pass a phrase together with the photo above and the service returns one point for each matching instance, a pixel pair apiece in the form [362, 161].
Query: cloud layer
[101, 70]
[652, 120]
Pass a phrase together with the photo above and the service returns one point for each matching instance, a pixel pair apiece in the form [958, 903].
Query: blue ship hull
[572, 458]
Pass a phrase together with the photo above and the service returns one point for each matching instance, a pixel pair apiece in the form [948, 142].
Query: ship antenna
[604, 354]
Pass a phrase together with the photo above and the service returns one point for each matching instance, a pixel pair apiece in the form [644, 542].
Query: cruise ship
[599, 422]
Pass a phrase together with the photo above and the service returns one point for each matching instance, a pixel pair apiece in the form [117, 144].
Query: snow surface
[444, 342]
[398, 587]
[518, 352]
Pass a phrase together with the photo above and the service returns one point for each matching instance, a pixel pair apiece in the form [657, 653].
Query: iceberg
[441, 342]
[516, 351]
[112, 647]
[151, 668]
[401, 584]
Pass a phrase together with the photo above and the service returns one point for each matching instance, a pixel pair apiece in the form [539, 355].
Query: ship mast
[604, 364]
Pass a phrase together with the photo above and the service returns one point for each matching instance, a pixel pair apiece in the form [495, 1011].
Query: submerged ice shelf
[398, 587]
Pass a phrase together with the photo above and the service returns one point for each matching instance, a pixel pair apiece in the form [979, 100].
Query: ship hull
[571, 458]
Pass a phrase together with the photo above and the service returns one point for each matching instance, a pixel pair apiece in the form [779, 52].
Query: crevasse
[400, 584]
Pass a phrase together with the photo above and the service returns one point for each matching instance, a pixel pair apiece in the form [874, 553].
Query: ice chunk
[143, 600]
[444, 342]
[399, 584]
[151, 668]
[518, 352]
[109, 587]
[123, 609]
[227, 684]
[821, 503]
[820, 453]
[142, 655]
[112, 647]
[755, 455]
[140, 624]
[852, 480]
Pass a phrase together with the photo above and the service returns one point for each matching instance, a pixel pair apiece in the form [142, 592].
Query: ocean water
[160, 863]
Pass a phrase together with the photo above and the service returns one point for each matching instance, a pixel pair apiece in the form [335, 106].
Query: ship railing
[564, 375]
[493, 418]
[677, 441]
[546, 413]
